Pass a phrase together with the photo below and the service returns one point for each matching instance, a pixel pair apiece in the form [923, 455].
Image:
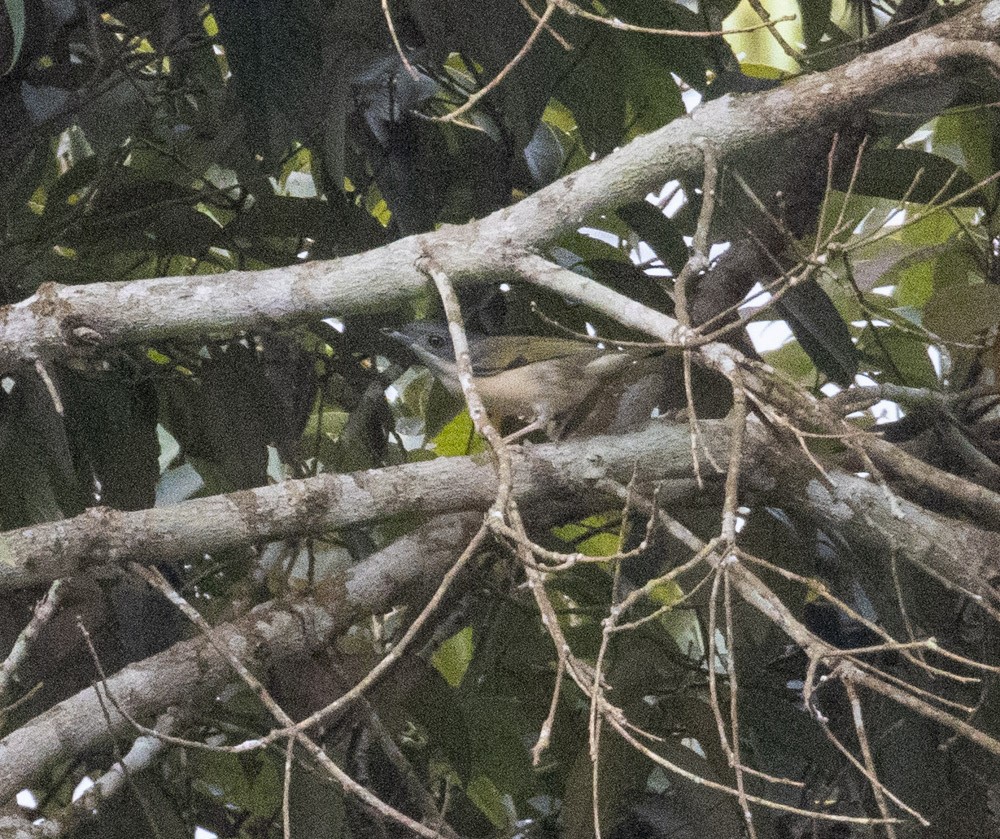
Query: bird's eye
[436, 341]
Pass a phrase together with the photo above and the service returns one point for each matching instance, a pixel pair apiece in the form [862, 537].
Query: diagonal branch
[74, 321]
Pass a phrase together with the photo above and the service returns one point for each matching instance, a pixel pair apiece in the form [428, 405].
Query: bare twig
[471, 102]
[395, 41]
[44, 610]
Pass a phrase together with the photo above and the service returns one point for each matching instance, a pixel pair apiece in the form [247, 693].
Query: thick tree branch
[548, 480]
[559, 476]
[60, 322]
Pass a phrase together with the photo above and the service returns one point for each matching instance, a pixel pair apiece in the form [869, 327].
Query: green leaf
[622, 781]
[593, 95]
[500, 732]
[112, 427]
[491, 802]
[968, 138]
[914, 282]
[959, 312]
[667, 594]
[574, 531]
[820, 330]
[893, 173]
[59, 195]
[761, 71]
[17, 18]
[937, 227]
[958, 266]
[634, 283]
[653, 96]
[559, 116]
[601, 544]
[657, 231]
[622, 86]
[815, 19]
[792, 360]
[688, 58]
[37, 480]
[459, 438]
[451, 659]
[901, 358]
[316, 807]
[250, 781]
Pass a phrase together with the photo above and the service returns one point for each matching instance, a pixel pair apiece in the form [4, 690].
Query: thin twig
[471, 102]
[414, 74]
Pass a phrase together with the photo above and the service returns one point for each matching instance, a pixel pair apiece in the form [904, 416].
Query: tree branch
[549, 480]
[73, 321]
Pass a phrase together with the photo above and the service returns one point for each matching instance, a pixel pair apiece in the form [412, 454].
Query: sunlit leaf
[451, 658]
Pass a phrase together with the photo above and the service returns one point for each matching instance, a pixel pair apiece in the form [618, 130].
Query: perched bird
[546, 381]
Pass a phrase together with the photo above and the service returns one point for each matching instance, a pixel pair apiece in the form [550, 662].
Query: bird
[546, 381]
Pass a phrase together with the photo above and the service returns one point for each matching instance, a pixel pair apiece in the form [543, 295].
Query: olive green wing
[508, 352]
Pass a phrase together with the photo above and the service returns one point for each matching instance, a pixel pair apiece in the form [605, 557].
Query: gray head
[425, 337]
[431, 342]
